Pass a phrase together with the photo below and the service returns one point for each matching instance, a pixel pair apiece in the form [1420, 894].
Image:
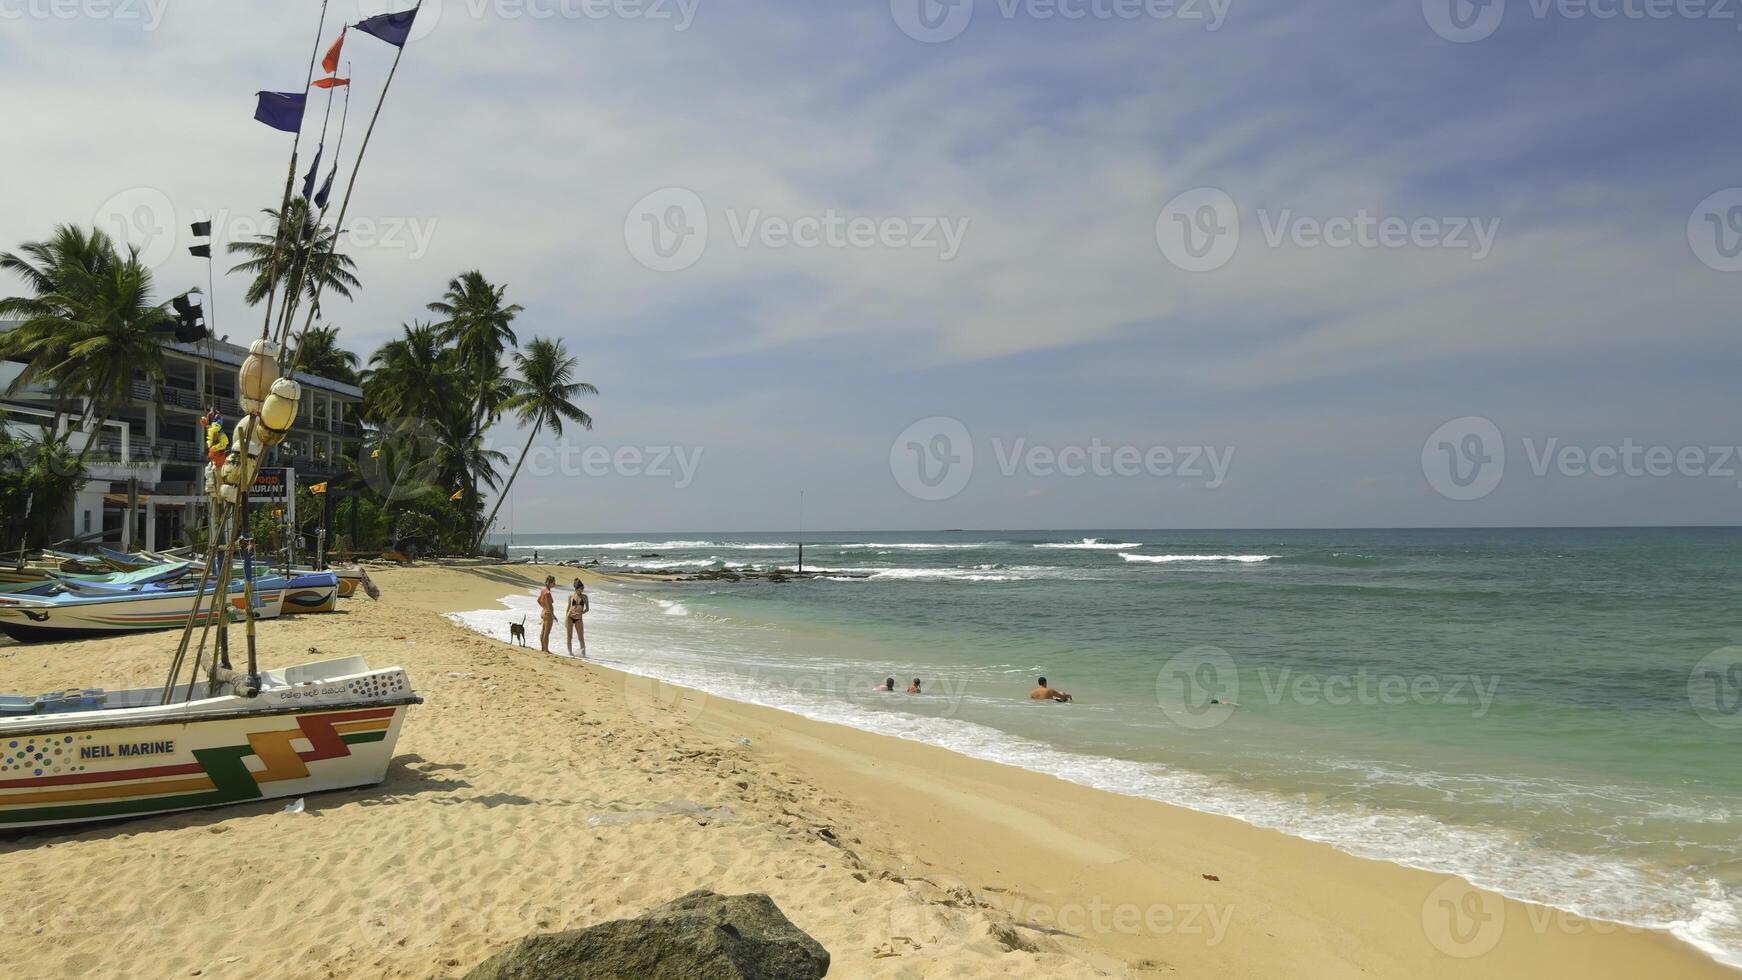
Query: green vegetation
[90, 328]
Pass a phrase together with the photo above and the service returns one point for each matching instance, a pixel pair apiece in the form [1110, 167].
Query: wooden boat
[73, 616]
[79, 756]
[124, 580]
[349, 578]
[311, 592]
[121, 561]
[268, 592]
[268, 596]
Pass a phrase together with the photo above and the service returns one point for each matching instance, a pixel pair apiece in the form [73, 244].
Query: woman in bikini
[547, 612]
[578, 606]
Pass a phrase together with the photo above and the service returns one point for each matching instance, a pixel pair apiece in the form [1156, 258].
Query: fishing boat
[268, 592]
[74, 616]
[268, 597]
[311, 592]
[73, 757]
[123, 580]
[123, 562]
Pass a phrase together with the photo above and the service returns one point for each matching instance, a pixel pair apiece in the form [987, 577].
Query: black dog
[517, 631]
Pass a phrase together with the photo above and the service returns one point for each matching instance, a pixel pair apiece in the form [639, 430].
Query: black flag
[326, 190]
[201, 251]
[202, 229]
[308, 181]
[395, 29]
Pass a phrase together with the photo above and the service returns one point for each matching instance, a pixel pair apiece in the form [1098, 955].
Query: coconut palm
[93, 328]
[319, 354]
[410, 378]
[479, 324]
[297, 254]
[43, 267]
[544, 399]
[480, 327]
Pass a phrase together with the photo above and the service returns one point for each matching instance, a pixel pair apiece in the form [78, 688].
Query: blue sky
[525, 137]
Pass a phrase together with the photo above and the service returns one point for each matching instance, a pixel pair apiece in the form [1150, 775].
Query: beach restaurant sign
[275, 486]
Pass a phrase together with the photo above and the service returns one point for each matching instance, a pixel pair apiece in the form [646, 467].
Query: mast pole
[345, 204]
[289, 182]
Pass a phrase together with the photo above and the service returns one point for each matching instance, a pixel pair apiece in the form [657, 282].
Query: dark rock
[1006, 936]
[701, 936]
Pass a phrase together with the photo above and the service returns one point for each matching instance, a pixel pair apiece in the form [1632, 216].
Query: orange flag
[331, 62]
[331, 82]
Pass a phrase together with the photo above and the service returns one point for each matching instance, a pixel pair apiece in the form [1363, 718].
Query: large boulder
[701, 936]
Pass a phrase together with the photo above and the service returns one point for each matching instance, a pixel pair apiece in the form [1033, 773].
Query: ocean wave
[622, 546]
[908, 546]
[1090, 544]
[1167, 559]
[979, 573]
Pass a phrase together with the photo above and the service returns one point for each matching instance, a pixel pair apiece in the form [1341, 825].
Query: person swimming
[1045, 692]
[914, 687]
[887, 687]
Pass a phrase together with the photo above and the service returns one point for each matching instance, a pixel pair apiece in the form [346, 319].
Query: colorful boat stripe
[225, 777]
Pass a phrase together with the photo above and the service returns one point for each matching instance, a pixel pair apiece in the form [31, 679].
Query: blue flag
[308, 181]
[392, 28]
[326, 190]
[281, 110]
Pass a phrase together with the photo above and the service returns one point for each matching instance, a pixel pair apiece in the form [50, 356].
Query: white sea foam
[1168, 559]
[913, 546]
[1090, 544]
[622, 546]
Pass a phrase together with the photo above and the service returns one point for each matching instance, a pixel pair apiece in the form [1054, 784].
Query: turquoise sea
[1554, 714]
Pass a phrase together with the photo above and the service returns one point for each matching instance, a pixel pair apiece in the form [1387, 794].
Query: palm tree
[543, 398]
[408, 378]
[319, 354]
[479, 325]
[93, 328]
[296, 255]
[43, 266]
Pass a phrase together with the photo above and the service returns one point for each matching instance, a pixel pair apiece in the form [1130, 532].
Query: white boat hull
[35, 619]
[333, 731]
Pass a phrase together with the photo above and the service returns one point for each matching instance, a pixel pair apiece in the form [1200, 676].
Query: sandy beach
[533, 793]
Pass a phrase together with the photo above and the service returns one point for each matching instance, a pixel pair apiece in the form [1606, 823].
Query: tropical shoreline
[517, 753]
